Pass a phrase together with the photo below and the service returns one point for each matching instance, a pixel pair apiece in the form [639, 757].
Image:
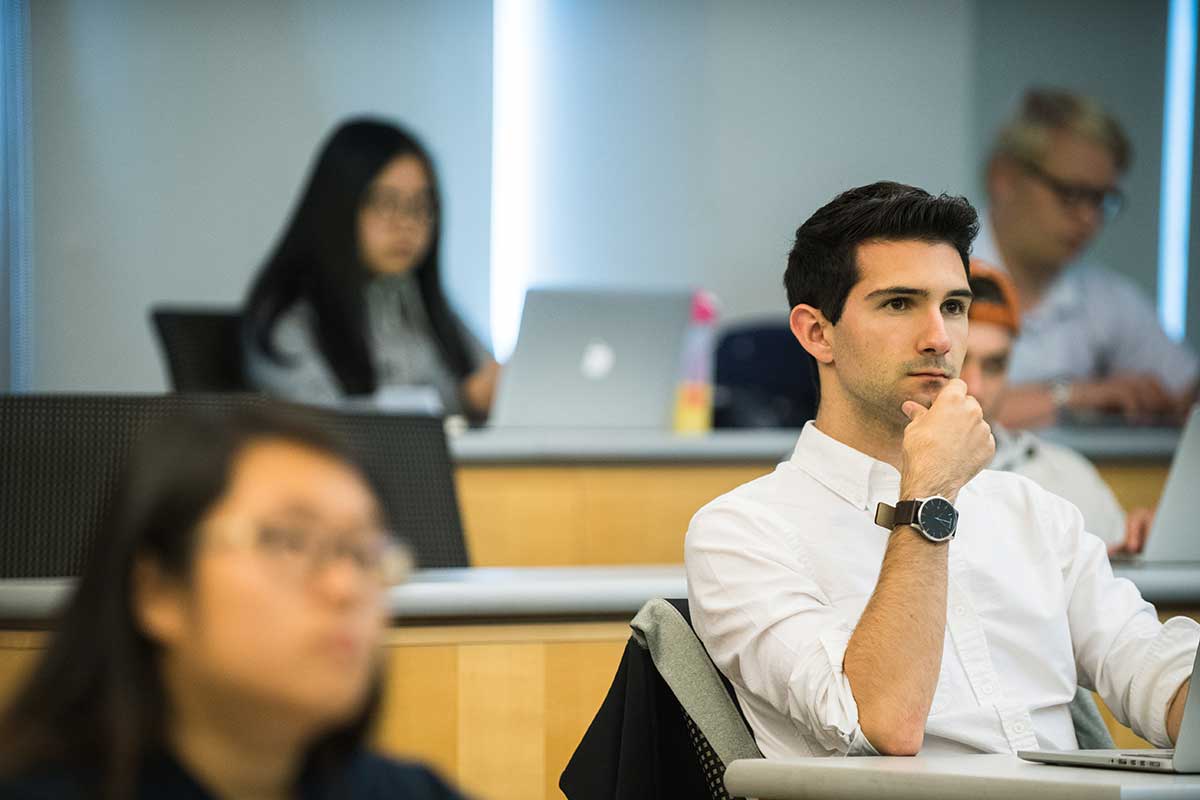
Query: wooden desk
[563, 498]
[492, 675]
[985, 777]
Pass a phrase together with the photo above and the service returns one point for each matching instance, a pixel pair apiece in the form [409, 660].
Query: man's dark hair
[823, 267]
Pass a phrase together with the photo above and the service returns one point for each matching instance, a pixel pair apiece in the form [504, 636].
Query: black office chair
[61, 457]
[763, 378]
[201, 347]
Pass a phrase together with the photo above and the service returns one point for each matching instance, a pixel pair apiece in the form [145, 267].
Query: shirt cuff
[1169, 662]
[843, 717]
[860, 745]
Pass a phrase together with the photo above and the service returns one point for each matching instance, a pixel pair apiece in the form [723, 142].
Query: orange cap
[1003, 311]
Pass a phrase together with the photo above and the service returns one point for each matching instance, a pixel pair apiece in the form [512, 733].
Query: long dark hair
[317, 260]
[95, 704]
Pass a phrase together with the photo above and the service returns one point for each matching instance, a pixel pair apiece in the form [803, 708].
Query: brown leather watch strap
[903, 513]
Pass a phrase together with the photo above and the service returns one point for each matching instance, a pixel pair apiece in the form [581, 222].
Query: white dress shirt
[1091, 323]
[1064, 472]
[780, 569]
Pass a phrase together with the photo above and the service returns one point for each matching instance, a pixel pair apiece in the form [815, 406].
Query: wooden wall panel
[1136, 485]
[578, 515]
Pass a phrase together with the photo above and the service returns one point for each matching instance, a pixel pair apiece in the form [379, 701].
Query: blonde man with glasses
[1091, 342]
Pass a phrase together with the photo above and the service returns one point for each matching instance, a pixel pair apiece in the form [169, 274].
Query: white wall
[684, 141]
[679, 141]
[171, 138]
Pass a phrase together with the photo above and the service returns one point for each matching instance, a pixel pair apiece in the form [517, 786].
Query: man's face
[903, 332]
[985, 369]
[1043, 225]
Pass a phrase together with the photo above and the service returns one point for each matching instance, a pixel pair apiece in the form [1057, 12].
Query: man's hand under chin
[944, 445]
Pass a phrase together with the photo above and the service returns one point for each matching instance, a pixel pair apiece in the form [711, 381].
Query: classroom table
[537, 497]
[493, 674]
[979, 777]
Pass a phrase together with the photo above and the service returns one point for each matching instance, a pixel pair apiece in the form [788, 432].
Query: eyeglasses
[297, 552]
[392, 206]
[1073, 196]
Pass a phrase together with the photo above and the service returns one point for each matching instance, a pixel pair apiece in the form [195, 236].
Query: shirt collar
[1013, 448]
[852, 475]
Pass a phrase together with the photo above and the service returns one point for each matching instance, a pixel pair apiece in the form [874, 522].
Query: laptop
[1175, 533]
[1185, 758]
[594, 359]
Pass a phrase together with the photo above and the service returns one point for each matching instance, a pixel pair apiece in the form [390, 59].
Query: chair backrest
[61, 457]
[202, 348]
[667, 726]
[763, 378]
[680, 658]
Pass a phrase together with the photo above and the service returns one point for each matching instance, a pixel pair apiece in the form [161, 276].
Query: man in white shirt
[842, 637]
[1091, 341]
[994, 324]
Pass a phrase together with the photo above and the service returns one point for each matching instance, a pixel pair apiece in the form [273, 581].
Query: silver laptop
[1184, 758]
[594, 359]
[1175, 533]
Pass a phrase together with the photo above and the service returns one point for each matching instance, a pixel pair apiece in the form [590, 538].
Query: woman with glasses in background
[350, 303]
[224, 639]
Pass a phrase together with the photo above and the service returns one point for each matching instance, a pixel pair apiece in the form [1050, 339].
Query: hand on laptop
[1137, 528]
[1137, 397]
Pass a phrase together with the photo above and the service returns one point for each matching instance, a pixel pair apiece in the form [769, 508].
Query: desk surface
[981, 777]
[532, 445]
[507, 592]
[448, 594]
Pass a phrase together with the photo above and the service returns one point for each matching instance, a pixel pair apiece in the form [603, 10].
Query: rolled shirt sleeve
[1121, 649]
[770, 628]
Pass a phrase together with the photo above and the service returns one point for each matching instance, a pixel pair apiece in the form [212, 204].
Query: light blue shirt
[1091, 323]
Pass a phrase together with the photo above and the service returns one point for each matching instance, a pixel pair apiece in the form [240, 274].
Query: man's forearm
[894, 657]
[1175, 711]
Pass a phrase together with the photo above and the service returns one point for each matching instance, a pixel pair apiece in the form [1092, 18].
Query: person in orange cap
[994, 326]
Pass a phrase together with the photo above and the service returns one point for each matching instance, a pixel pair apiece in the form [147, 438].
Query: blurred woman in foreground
[224, 638]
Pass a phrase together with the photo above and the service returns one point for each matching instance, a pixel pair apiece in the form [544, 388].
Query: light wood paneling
[420, 713]
[18, 652]
[502, 747]
[499, 709]
[587, 514]
[1136, 485]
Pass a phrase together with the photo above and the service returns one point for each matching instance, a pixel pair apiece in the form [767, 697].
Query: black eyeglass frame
[1108, 202]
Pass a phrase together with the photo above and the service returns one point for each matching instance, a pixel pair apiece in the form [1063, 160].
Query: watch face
[938, 518]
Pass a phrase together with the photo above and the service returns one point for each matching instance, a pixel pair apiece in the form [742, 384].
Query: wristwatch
[934, 517]
[1060, 395]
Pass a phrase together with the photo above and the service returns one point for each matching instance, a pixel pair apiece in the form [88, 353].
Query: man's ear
[158, 602]
[813, 331]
